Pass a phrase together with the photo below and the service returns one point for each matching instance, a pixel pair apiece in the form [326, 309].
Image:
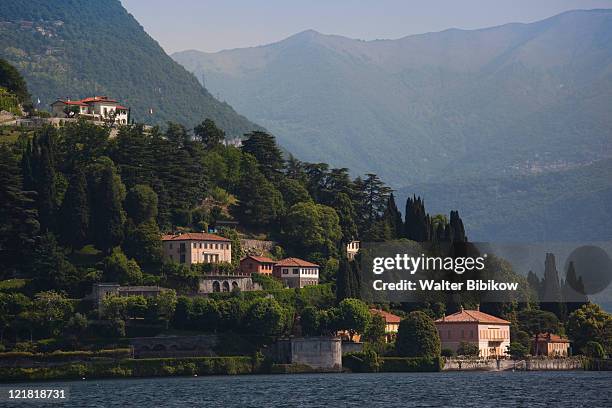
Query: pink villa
[491, 334]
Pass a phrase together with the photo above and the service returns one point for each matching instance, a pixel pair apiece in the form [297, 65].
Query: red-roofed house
[548, 344]
[196, 248]
[257, 264]
[391, 323]
[98, 107]
[491, 334]
[296, 273]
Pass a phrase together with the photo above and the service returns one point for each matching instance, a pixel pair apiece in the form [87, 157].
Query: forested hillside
[78, 48]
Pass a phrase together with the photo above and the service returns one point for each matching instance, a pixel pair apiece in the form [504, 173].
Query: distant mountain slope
[569, 206]
[431, 107]
[74, 48]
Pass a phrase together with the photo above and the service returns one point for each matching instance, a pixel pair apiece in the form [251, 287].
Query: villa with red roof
[96, 108]
[491, 334]
[196, 248]
[296, 273]
[257, 264]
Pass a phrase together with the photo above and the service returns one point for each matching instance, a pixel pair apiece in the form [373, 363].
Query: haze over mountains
[447, 107]
[74, 48]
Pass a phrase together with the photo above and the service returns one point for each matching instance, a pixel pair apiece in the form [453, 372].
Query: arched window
[216, 286]
[234, 285]
[226, 287]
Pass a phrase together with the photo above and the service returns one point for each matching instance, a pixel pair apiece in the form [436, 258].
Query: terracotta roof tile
[295, 262]
[260, 259]
[465, 316]
[194, 236]
[389, 317]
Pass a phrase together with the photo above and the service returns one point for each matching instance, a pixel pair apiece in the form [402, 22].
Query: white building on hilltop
[96, 108]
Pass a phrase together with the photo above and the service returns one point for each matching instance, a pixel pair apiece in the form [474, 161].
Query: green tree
[588, 324]
[354, 316]
[50, 267]
[310, 321]
[18, 216]
[118, 268]
[417, 336]
[232, 235]
[11, 79]
[209, 134]
[74, 213]
[162, 306]
[263, 147]
[41, 158]
[182, 313]
[204, 314]
[311, 227]
[265, 317]
[141, 204]
[376, 331]
[108, 216]
[260, 203]
[143, 243]
[53, 310]
[593, 349]
[294, 192]
[535, 321]
[517, 350]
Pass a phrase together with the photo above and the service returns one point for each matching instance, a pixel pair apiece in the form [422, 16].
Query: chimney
[478, 307]
[461, 308]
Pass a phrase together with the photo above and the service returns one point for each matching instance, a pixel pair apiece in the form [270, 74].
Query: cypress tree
[456, 227]
[18, 217]
[39, 170]
[393, 218]
[108, 217]
[74, 212]
[418, 225]
[573, 290]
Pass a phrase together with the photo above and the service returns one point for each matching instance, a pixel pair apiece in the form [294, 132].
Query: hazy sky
[215, 25]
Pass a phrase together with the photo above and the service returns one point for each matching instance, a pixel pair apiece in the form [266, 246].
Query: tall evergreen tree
[74, 212]
[260, 203]
[18, 216]
[418, 225]
[209, 134]
[263, 147]
[393, 218]
[552, 299]
[373, 198]
[38, 165]
[457, 229]
[573, 290]
[107, 215]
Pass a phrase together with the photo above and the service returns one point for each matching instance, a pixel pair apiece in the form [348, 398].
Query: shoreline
[244, 365]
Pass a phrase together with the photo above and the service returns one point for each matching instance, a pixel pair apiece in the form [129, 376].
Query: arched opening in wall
[234, 285]
[226, 287]
[216, 286]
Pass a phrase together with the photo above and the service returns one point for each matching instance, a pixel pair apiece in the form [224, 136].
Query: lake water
[464, 389]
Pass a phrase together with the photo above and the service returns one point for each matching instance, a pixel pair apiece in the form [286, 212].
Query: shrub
[417, 336]
[468, 349]
[446, 352]
[593, 349]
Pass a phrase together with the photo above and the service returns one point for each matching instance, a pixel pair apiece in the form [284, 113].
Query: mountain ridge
[78, 49]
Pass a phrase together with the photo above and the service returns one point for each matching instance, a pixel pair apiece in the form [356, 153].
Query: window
[182, 258]
[285, 271]
[295, 271]
[449, 334]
